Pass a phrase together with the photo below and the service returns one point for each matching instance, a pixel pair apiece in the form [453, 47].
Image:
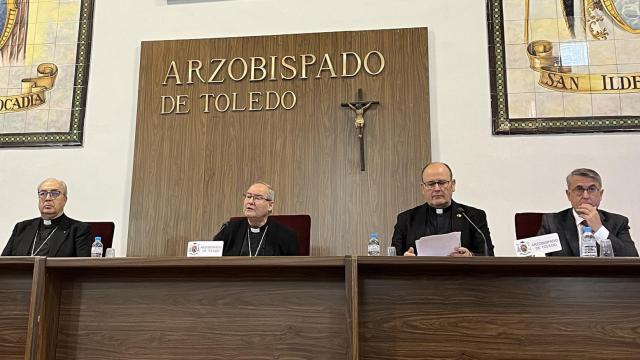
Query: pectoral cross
[360, 107]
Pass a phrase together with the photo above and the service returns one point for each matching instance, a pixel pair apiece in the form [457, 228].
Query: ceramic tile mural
[564, 65]
[44, 62]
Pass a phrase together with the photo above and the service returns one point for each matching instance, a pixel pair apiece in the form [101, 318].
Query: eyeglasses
[43, 194]
[432, 184]
[255, 197]
[579, 190]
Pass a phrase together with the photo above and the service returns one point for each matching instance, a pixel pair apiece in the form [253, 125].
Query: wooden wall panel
[169, 172]
[189, 170]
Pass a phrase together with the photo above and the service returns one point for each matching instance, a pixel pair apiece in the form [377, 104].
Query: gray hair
[271, 194]
[63, 185]
[584, 172]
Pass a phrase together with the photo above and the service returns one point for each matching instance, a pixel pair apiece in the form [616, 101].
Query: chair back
[527, 224]
[300, 224]
[105, 230]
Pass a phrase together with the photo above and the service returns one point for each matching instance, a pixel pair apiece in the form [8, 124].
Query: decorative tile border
[503, 125]
[74, 137]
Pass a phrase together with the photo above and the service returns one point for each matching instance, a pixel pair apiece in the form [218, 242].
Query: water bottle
[374, 245]
[96, 248]
[588, 246]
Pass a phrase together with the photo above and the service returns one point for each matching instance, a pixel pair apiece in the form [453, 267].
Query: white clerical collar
[254, 230]
[47, 222]
[439, 211]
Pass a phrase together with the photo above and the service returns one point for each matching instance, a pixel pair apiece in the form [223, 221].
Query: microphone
[224, 225]
[460, 210]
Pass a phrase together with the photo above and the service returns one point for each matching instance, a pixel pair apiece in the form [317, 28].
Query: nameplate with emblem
[538, 245]
[204, 248]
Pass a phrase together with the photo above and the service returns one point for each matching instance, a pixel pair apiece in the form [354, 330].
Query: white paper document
[438, 245]
[538, 245]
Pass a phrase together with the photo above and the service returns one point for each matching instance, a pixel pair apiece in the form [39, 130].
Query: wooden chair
[300, 224]
[105, 230]
[527, 224]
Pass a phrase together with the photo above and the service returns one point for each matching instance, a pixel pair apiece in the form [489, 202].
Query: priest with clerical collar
[53, 233]
[441, 215]
[257, 234]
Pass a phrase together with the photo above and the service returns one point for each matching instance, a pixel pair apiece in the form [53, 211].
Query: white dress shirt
[601, 234]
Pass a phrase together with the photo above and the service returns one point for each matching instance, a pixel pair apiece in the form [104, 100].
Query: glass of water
[111, 252]
[606, 249]
[391, 251]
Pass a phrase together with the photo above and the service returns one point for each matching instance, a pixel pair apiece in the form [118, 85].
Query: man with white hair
[258, 234]
[53, 233]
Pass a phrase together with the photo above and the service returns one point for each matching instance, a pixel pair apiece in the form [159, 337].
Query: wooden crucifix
[360, 106]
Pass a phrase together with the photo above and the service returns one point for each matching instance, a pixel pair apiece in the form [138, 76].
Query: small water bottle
[374, 245]
[96, 248]
[588, 246]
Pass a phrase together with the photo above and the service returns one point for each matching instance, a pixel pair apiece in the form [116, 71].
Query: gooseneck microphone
[224, 225]
[461, 211]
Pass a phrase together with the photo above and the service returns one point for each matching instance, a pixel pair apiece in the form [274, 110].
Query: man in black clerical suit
[441, 215]
[53, 233]
[584, 191]
[257, 235]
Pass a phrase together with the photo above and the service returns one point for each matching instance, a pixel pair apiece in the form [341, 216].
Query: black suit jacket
[564, 224]
[412, 225]
[278, 241]
[71, 238]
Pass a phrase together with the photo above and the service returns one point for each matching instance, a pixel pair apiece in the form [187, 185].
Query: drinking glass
[111, 252]
[606, 249]
[391, 251]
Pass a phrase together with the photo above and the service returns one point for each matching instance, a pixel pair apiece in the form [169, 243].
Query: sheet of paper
[438, 245]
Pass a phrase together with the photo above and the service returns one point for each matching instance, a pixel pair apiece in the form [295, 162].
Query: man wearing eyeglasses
[257, 235]
[584, 191]
[441, 215]
[53, 233]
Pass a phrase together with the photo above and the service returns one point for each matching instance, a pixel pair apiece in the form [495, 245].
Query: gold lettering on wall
[251, 101]
[326, 65]
[174, 105]
[214, 71]
[243, 66]
[306, 60]
[214, 75]
[172, 73]
[255, 67]
[289, 66]
[345, 61]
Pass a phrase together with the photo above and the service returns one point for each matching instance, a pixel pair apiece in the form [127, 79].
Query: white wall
[499, 174]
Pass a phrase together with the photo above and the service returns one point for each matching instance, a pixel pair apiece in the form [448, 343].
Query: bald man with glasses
[441, 215]
[52, 234]
[584, 192]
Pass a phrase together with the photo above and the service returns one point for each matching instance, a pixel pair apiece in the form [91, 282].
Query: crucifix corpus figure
[360, 107]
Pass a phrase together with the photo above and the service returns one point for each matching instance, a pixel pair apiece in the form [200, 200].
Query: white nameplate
[205, 248]
[538, 245]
